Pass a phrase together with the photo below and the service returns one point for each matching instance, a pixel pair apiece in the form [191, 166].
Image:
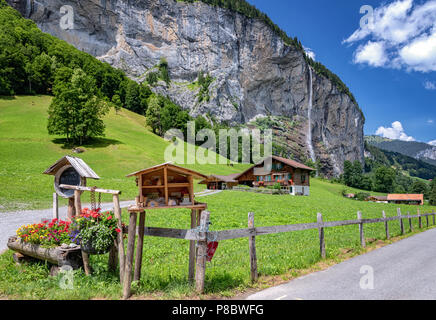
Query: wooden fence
[202, 235]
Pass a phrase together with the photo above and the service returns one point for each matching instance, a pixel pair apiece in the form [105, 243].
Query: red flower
[109, 218]
[117, 230]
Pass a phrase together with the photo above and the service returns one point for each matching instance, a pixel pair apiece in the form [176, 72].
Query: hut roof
[406, 197]
[172, 167]
[228, 179]
[78, 164]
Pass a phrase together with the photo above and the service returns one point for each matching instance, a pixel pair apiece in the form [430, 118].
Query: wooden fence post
[127, 284]
[426, 220]
[420, 219]
[410, 221]
[139, 247]
[120, 239]
[386, 226]
[200, 271]
[252, 248]
[321, 235]
[433, 214]
[55, 206]
[362, 235]
[401, 221]
[192, 253]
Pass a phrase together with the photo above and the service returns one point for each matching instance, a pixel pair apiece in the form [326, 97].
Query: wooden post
[321, 236]
[192, 252]
[120, 238]
[113, 261]
[362, 235]
[55, 206]
[127, 284]
[200, 271]
[86, 266]
[386, 226]
[252, 248]
[77, 202]
[433, 214]
[419, 219]
[410, 221]
[401, 221]
[166, 185]
[70, 213]
[426, 219]
[140, 246]
[141, 194]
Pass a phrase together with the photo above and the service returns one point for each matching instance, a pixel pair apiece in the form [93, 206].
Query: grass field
[165, 261]
[26, 150]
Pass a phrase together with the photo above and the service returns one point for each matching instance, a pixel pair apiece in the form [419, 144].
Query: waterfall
[309, 117]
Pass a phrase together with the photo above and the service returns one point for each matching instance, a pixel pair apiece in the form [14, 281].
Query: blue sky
[389, 64]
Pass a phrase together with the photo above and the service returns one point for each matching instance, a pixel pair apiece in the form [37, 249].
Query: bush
[362, 196]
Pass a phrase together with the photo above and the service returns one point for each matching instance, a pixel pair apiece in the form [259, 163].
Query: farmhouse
[216, 182]
[291, 175]
[411, 199]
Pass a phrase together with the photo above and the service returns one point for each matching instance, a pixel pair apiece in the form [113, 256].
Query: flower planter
[90, 249]
[57, 256]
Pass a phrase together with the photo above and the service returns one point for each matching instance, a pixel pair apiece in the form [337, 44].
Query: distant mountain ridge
[418, 150]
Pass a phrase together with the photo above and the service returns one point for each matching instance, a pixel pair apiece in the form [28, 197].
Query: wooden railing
[202, 235]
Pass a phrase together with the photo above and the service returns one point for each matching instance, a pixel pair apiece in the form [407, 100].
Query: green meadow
[26, 151]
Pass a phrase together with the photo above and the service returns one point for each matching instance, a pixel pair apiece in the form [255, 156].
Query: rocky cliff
[254, 73]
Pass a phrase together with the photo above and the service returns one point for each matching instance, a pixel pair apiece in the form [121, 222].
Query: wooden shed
[217, 182]
[166, 185]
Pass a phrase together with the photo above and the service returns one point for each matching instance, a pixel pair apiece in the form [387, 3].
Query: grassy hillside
[26, 150]
[165, 261]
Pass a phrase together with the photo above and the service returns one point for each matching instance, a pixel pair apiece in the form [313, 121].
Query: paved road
[405, 270]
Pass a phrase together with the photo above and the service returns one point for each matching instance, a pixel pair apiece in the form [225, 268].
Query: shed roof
[78, 164]
[228, 179]
[171, 166]
[406, 197]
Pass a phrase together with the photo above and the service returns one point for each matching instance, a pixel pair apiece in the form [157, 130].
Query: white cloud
[430, 85]
[373, 53]
[430, 121]
[310, 53]
[405, 30]
[396, 132]
[432, 143]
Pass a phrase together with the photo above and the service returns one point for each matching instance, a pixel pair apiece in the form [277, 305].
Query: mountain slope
[410, 166]
[26, 150]
[418, 150]
[254, 72]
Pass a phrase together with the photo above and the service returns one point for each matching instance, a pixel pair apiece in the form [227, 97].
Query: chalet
[291, 175]
[216, 182]
[411, 199]
[378, 199]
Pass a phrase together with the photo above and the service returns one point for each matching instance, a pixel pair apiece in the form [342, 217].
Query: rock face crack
[250, 64]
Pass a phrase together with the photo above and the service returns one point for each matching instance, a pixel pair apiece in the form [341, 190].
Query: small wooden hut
[166, 185]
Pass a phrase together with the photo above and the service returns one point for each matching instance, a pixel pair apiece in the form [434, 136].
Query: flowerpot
[89, 248]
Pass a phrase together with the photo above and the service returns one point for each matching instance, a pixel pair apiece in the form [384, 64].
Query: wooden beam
[200, 271]
[191, 189]
[419, 219]
[166, 184]
[70, 213]
[86, 265]
[386, 226]
[127, 284]
[362, 235]
[401, 221]
[192, 251]
[77, 202]
[321, 236]
[120, 238]
[139, 247]
[80, 188]
[252, 249]
[55, 206]
[141, 195]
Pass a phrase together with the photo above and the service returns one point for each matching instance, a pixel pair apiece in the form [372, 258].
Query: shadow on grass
[91, 143]
[7, 97]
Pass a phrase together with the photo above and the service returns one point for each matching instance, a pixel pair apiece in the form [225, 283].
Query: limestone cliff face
[255, 74]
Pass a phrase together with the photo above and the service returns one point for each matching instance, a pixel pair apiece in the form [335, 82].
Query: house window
[303, 178]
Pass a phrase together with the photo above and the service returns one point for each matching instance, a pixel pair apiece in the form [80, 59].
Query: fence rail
[202, 235]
